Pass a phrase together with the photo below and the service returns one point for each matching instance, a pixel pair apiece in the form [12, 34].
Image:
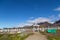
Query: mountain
[44, 24]
[57, 23]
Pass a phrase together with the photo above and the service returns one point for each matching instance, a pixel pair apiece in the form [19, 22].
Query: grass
[25, 36]
[13, 36]
[51, 36]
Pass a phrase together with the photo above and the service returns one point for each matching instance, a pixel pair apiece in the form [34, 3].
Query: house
[1, 31]
[11, 30]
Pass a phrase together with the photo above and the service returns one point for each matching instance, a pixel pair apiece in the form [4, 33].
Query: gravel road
[37, 36]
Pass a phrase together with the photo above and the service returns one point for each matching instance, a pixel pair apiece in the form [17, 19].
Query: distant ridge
[57, 23]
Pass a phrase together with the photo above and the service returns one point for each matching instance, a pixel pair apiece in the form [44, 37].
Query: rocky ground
[37, 36]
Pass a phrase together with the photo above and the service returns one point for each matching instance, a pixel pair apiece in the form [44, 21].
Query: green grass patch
[13, 36]
[25, 36]
[52, 36]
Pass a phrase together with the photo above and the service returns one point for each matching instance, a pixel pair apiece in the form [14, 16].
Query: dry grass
[52, 36]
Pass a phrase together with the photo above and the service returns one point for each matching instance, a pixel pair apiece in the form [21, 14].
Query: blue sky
[16, 12]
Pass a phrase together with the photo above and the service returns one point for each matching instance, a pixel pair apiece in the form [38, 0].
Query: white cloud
[31, 17]
[38, 20]
[57, 9]
[51, 22]
[50, 19]
[59, 15]
[53, 18]
[24, 24]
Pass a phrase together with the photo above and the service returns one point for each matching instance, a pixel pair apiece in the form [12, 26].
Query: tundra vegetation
[17, 36]
[52, 36]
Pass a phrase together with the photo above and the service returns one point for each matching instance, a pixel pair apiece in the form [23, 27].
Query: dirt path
[37, 36]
